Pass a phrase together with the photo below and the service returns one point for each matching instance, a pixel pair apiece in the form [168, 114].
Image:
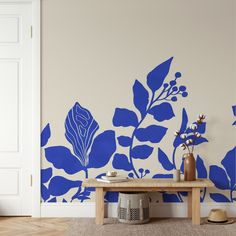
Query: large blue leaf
[140, 97]
[111, 196]
[54, 199]
[59, 185]
[162, 112]
[219, 178]
[170, 197]
[44, 192]
[62, 158]
[46, 174]
[121, 162]
[156, 77]
[162, 176]
[124, 117]
[45, 135]
[124, 141]
[80, 129]
[103, 147]
[164, 160]
[201, 128]
[234, 110]
[218, 197]
[229, 163]
[141, 151]
[152, 133]
[178, 140]
[201, 169]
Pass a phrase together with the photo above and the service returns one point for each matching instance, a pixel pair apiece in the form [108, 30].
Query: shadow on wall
[92, 150]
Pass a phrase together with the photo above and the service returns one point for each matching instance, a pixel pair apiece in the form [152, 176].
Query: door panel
[16, 109]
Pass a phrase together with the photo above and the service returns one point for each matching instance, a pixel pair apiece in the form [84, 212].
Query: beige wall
[92, 52]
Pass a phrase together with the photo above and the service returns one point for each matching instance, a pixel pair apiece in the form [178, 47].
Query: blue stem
[86, 176]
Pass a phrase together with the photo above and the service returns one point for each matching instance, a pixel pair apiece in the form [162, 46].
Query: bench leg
[99, 206]
[190, 204]
[196, 206]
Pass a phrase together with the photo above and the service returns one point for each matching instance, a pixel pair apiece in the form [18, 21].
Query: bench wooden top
[150, 183]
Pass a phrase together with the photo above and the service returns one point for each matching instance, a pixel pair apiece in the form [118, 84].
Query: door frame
[36, 103]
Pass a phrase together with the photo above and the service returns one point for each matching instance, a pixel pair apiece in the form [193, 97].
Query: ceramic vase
[189, 167]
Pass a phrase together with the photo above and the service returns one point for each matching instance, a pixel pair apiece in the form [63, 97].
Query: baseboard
[157, 210]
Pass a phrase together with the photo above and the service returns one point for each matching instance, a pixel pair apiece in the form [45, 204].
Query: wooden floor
[27, 226]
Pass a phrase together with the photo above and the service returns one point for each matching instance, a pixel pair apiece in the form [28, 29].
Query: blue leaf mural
[62, 158]
[121, 162]
[141, 151]
[124, 117]
[156, 77]
[152, 133]
[59, 185]
[162, 176]
[201, 169]
[219, 177]
[45, 135]
[141, 98]
[234, 112]
[104, 145]
[218, 197]
[80, 128]
[46, 174]
[170, 197]
[45, 194]
[162, 112]
[124, 141]
[163, 159]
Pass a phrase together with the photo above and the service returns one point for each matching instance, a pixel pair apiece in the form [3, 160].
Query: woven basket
[133, 208]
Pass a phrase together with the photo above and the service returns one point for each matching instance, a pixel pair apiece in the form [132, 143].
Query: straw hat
[218, 216]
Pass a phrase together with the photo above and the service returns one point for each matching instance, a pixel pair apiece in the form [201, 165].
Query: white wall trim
[157, 210]
[36, 110]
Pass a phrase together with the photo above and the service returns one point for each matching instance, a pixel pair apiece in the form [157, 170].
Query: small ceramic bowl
[111, 173]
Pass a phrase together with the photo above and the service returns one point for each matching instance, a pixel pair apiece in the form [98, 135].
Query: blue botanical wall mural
[88, 148]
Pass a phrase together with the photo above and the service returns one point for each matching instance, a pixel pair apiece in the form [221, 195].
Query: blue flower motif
[234, 112]
[89, 151]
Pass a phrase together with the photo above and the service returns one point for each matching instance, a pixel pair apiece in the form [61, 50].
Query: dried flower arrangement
[191, 134]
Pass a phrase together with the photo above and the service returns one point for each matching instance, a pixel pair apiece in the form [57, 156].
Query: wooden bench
[151, 185]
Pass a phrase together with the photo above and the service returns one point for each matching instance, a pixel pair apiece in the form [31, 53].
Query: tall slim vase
[189, 167]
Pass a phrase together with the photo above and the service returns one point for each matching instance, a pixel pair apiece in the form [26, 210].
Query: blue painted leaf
[124, 117]
[59, 185]
[45, 135]
[229, 163]
[164, 160]
[140, 97]
[152, 133]
[218, 197]
[121, 162]
[100, 175]
[103, 147]
[170, 197]
[185, 194]
[178, 140]
[201, 128]
[162, 176]
[111, 196]
[141, 151]
[83, 197]
[156, 77]
[162, 112]
[52, 200]
[234, 123]
[234, 110]
[182, 166]
[44, 192]
[46, 174]
[124, 141]
[64, 200]
[75, 196]
[219, 177]
[201, 169]
[80, 128]
[62, 158]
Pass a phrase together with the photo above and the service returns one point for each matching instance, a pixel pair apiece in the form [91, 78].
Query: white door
[15, 109]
